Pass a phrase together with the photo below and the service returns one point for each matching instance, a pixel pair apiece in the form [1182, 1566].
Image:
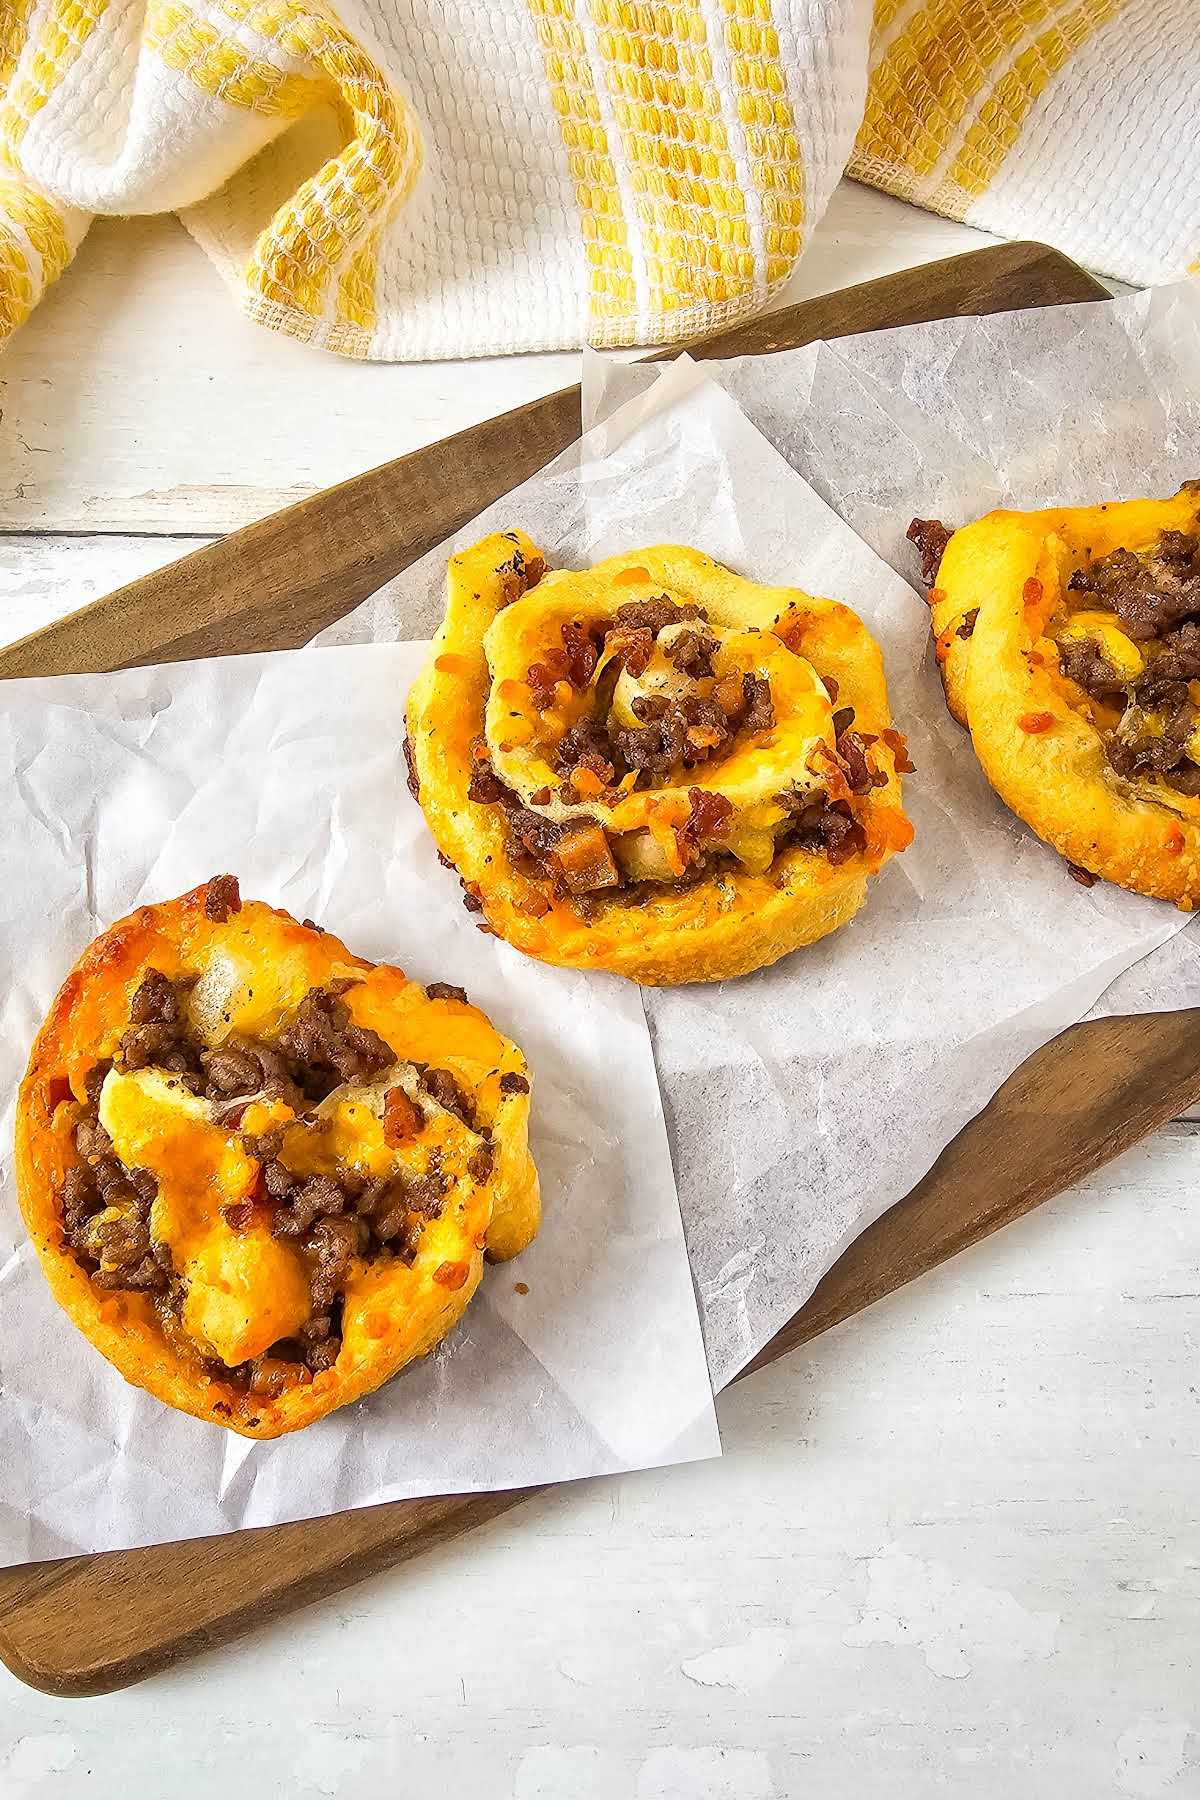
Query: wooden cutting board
[92, 1623]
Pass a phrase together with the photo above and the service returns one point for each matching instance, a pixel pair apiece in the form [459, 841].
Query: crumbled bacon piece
[898, 746]
[401, 1119]
[708, 820]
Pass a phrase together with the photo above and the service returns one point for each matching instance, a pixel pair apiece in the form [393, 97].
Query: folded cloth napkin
[420, 178]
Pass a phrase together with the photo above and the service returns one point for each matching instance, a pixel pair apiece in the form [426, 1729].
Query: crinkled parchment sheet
[288, 770]
[804, 1100]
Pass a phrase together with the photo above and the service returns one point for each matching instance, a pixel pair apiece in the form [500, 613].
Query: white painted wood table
[953, 1547]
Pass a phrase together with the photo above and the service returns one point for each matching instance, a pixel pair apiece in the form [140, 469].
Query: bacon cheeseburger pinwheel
[1069, 642]
[653, 766]
[260, 1173]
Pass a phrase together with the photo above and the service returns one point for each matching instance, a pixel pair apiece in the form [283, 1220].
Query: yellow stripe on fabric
[998, 127]
[327, 221]
[611, 284]
[63, 33]
[41, 224]
[690, 206]
[14, 25]
[223, 68]
[16, 284]
[356, 289]
[936, 68]
[776, 163]
[885, 13]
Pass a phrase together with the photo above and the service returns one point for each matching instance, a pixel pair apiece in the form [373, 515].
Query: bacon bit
[451, 665]
[1032, 592]
[1174, 842]
[377, 1325]
[702, 738]
[631, 577]
[944, 640]
[540, 797]
[967, 627]
[896, 743]
[1034, 722]
[708, 820]
[585, 860]
[238, 1216]
[588, 784]
[451, 1274]
[521, 1287]
[823, 762]
[540, 678]
[1083, 876]
[401, 1120]
[582, 650]
[58, 1089]
[730, 697]
[935, 596]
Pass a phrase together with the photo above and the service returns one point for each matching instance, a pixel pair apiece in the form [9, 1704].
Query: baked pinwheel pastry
[260, 1173]
[1069, 644]
[653, 766]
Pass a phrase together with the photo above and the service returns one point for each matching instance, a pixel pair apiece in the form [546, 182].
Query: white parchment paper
[287, 769]
[804, 1100]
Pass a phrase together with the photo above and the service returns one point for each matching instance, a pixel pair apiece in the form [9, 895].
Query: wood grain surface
[89, 1624]
[272, 585]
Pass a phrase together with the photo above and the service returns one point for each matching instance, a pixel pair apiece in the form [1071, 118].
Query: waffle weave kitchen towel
[422, 178]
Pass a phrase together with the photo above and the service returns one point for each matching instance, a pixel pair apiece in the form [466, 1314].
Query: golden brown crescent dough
[653, 766]
[1069, 643]
[261, 1173]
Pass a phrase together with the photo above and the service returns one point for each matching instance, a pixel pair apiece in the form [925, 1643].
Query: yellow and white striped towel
[420, 178]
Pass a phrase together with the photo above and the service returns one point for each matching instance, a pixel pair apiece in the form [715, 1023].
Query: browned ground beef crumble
[222, 898]
[1156, 597]
[332, 1218]
[931, 537]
